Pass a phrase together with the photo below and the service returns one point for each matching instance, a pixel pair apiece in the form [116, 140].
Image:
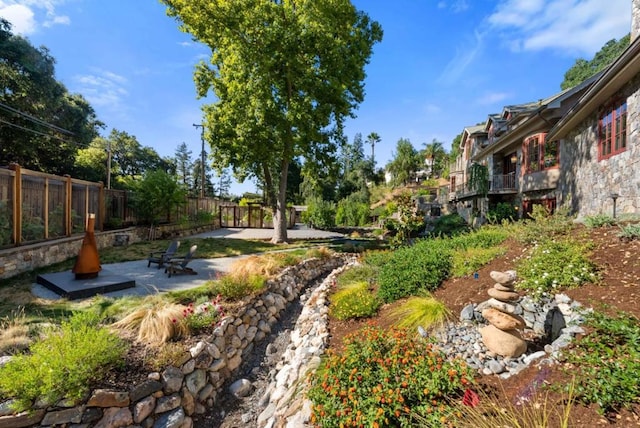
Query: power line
[37, 132]
[35, 119]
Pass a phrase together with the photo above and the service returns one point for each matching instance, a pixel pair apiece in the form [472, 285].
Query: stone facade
[171, 397]
[586, 183]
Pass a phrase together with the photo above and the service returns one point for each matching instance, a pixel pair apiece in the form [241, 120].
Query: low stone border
[170, 398]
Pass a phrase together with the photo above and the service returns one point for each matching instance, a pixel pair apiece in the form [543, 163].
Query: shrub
[355, 300]
[544, 225]
[319, 214]
[235, 287]
[486, 237]
[424, 311]
[502, 211]
[607, 362]
[410, 270]
[599, 220]
[203, 315]
[352, 213]
[322, 253]
[63, 364]
[449, 225]
[385, 378]
[629, 232]
[171, 354]
[466, 262]
[156, 321]
[377, 258]
[359, 273]
[554, 265]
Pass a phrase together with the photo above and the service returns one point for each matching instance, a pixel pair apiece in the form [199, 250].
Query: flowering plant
[207, 314]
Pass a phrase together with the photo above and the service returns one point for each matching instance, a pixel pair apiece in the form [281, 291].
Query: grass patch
[424, 311]
[155, 322]
[63, 364]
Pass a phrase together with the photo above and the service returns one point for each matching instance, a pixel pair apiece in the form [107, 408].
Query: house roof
[606, 84]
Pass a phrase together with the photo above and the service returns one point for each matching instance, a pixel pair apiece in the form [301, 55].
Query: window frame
[613, 142]
[534, 153]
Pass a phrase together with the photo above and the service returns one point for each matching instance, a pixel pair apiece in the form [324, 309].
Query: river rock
[507, 343]
[503, 296]
[507, 277]
[501, 287]
[502, 320]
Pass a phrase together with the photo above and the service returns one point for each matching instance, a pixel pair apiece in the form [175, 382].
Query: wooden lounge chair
[179, 265]
[162, 257]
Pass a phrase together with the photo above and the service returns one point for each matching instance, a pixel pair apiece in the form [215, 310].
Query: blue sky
[442, 64]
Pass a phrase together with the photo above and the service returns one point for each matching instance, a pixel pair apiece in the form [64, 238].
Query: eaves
[621, 71]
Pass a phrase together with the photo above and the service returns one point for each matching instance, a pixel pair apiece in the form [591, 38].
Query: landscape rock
[503, 320]
[505, 343]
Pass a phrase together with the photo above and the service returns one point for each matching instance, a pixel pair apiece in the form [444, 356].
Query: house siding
[586, 183]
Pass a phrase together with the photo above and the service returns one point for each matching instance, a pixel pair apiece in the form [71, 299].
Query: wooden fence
[36, 207]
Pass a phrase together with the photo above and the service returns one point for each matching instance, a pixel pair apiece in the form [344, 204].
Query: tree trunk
[280, 216]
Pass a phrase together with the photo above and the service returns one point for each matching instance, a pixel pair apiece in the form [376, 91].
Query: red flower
[470, 398]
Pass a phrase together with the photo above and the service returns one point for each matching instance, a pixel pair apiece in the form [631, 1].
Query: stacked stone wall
[586, 183]
[170, 398]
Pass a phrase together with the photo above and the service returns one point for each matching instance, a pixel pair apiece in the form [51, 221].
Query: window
[612, 130]
[539, 154]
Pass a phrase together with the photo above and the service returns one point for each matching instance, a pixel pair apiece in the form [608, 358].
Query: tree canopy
[583, 69]
[42, 125]
[286, 74]
[405, 162]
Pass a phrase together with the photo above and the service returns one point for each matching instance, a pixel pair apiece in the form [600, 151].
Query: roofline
[623, 69]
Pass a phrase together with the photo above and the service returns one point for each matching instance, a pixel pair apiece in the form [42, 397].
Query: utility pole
[201, 126]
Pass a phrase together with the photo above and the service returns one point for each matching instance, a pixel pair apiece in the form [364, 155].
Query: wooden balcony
[498, 184]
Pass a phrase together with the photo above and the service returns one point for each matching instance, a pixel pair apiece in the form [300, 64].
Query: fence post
[101, 207]
[17, 205]
[67, 205]
[46, 208]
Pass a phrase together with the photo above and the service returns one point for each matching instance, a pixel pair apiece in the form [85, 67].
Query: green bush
[203, 315]
[599, 220]
[606, 362]
[486, 237]
[555, 265]
[234, 287]
[410, 270]
[377, 258]
[352, 213]
[385, 379]
[466, 262]
[629, 231]
[359, 273]
[319, 214]
[449, 225]
[63, 364]
[502, 211]
[544, 225]
[352, 301]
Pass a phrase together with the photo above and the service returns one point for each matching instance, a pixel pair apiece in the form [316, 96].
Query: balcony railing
[499, 183]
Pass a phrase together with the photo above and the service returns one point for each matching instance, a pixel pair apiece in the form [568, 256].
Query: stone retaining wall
[26, 258]
[170, 398]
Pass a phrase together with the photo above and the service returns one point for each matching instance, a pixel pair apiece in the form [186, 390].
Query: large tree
[41, 124]
[435, 158]
[405, 162]
[583, 69]
[286, 75]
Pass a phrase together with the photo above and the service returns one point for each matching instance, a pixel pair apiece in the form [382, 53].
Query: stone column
[635, 19]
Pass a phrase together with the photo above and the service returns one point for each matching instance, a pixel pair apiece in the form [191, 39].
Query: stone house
[578, 148]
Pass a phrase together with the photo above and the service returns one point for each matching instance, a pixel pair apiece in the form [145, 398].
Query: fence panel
[56, 195]
[6, 207]
[32, 208]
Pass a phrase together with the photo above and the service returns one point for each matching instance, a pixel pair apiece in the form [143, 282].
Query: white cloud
[103, 88]
[463, 58]
[492, 98]
[456, 6]
[26, 16]
[577, 26]
[20, 17]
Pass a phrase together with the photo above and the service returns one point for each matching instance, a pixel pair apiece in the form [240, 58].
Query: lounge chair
[162, 257]
[179, 265]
